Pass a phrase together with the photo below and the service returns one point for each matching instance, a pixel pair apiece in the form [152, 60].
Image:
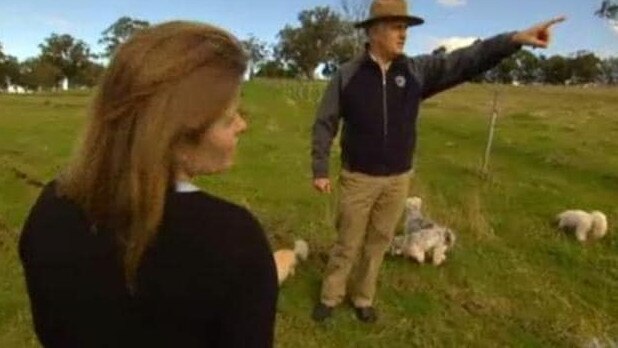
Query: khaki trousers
[368, 212]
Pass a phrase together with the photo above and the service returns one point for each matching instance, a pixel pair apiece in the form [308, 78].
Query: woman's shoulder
[209, 214]
[48, 192]
[200, 204]
[216, 224]
[50, 213]
[51, 204]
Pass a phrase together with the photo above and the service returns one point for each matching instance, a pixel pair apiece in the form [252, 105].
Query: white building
[64, 84]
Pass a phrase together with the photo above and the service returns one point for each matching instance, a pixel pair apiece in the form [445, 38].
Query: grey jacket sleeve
[326, 127]
[437, 73]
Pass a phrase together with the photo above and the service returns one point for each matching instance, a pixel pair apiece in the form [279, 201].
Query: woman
[121, 249]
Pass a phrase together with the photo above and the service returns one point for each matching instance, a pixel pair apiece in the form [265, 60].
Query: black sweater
[208, 280]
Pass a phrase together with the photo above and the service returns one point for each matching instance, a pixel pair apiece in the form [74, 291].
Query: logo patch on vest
[400, 81]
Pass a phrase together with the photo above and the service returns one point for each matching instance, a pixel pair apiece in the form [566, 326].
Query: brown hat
[388, 10]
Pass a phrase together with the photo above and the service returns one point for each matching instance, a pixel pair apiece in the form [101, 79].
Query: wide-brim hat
[382, 10]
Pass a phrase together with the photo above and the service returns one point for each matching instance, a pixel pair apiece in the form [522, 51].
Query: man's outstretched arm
[437, 73]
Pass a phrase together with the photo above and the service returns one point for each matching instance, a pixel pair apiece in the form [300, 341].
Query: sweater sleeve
[250, 318]
[35, 272]
[440, 72]
[325, 127]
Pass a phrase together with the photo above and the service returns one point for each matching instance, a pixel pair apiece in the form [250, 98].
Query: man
[377, 95]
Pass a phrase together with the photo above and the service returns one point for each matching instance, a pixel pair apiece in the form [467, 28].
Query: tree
[120, 32]
[608, 10]
[257, 51]
[67, 54]
[2, 68]
[522, 66]
[528, 67]
[38, 73]
[344, 47]
[89, 75]
[556, 70]
[9, 71]
[313, 42]
[276, 69]
[355, 10]
[585, 67]
[352, 41]
[609, 70]
[505, 72]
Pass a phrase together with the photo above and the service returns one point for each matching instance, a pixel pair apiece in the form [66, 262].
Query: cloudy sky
[25, 23]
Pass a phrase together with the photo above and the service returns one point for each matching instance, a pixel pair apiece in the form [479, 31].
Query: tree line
[322, 38]
[62, 57]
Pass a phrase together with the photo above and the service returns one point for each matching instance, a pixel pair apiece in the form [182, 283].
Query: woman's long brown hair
[121, 172]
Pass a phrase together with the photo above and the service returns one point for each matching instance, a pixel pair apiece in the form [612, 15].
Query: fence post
[490, 138]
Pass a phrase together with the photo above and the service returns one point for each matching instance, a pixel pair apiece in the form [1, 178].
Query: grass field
[512, 280]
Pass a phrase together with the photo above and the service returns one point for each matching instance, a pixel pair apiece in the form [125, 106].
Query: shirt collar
[367, 57]
[186, 187]
[375, 59]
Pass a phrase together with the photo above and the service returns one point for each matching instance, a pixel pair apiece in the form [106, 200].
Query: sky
[24, 24]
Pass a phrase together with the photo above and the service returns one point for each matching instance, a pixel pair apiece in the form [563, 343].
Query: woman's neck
[183, 177]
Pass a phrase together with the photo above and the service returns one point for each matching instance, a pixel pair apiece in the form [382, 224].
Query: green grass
[512, 280]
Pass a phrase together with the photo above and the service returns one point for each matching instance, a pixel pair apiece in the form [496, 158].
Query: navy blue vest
[380, 112]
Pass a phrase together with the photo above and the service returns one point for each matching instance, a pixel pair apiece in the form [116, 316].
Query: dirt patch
[477, 304]
[10, 152]
[3, 226]
[8, 236]
[27, 178]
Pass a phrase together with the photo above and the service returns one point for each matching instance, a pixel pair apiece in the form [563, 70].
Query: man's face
[389, 37]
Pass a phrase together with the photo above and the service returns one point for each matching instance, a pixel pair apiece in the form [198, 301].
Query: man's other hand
[322, 185]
